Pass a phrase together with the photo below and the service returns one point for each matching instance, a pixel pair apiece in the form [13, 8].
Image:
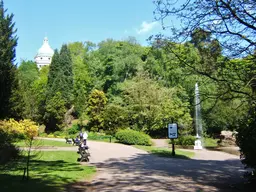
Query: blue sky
[67, 21]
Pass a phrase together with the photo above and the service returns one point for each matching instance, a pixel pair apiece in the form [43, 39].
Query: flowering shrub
[26, 128]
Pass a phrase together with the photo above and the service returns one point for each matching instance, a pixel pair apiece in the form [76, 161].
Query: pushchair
[76, 142]
[84, 153]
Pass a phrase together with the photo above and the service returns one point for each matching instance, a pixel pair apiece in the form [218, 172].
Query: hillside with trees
[120, 84]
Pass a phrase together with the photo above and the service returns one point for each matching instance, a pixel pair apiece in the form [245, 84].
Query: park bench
[69, 141]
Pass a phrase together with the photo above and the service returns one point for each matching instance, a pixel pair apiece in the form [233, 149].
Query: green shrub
[98, 136]
[43, 135]
[246, 140]
[132, 137]
[8, 151]
[185, 140]
[74, 129]
[57, 133]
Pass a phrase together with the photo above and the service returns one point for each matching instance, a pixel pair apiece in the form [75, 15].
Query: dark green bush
[8, 151]
[57, 133]
[132, 137]
[74, 129]
[246, 140]
[185, 140]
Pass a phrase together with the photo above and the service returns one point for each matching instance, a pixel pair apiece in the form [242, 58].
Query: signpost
[173, 134]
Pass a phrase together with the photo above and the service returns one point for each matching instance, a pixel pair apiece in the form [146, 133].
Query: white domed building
[44, 54]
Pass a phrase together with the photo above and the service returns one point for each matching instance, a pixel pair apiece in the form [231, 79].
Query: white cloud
[146, 27]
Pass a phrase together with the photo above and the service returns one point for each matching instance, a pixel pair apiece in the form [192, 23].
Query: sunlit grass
[209, 142]
[166, 152]
[45, 143]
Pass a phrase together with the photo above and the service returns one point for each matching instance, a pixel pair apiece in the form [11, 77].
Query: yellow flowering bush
[24, 127]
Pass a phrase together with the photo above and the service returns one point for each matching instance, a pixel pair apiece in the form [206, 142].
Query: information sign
[173, 131]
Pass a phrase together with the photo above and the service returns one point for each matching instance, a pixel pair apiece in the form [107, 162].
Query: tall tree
[54, 69]
[79, 52]
[27, 74]
[66, 75]
[8, 42]
[59, 88]
[150, 106]
[39, 88]
[233, 23]
[96, 104]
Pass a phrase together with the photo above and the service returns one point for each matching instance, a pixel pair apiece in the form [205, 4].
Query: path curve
[125, 168]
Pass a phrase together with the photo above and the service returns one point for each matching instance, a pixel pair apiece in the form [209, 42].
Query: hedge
[131, 137]
[185, 140]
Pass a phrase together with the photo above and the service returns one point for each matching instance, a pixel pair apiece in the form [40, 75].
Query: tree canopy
[8, 43]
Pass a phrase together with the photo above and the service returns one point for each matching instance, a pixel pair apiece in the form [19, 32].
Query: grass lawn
[102, 138]
[91, 137]
[50, 171]
[210, 142]
[162, 152]
[46, 143]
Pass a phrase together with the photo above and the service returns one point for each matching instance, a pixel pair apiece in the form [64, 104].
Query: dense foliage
[185, 140]
[59, 89]
[156, 88]
[8, 80]
[19, 129]
[132, 137]
[246, 138]
[223, 33]
[8, 151]
[11, 131]
[96, 103]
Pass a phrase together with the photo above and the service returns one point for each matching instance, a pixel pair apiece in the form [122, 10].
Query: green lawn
[50, 172]
[163, 152]
[46, 143]
[210, 142]
[91, 136]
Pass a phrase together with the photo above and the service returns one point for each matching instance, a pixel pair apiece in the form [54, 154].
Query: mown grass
[44, 143]
[162, 152]
[91, 136]
[50, 171]
[210, 142]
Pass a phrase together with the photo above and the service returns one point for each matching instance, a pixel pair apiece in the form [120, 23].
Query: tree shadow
[44, 176]
[146, 172]
[13, 183]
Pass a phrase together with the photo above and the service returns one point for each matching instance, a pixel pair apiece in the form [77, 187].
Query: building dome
[45, 50]
[44, 55]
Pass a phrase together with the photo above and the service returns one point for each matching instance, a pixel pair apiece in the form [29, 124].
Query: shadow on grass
[229, 150]
[45, 176]
[13, 183]
[165, 153]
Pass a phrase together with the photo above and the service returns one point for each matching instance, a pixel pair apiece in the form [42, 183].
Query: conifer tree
[8, 42]
[67, 75]
[53, 69]
[59, 85]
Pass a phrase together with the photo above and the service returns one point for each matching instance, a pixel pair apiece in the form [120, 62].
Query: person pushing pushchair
[81, 136]
[85, 136]
[83, 148]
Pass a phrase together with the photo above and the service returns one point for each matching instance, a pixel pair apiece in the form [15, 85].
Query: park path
[125, 168]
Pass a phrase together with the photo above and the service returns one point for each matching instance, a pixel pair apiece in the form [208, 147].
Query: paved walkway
[125, 168]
